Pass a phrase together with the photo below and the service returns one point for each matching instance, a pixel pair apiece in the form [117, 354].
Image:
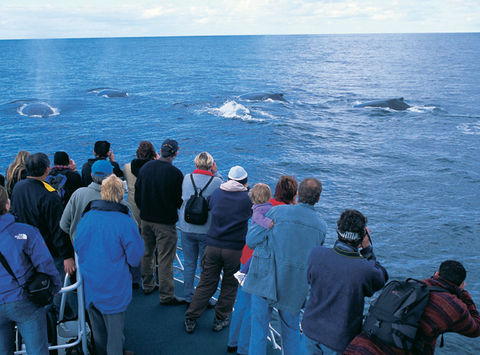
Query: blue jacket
[340, 279]
[107, 242]
[230, 211]
[283, 252]
[25, 250]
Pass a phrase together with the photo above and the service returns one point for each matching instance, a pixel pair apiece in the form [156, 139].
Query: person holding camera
[340, 278]
[24, 251]
[101, 151]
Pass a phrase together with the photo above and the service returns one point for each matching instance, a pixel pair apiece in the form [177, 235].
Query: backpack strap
[7, 267]
[208, 183]
[194, 186]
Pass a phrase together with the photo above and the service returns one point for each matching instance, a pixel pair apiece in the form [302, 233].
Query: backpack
[395, 315]
[58, 183]
[196, 208]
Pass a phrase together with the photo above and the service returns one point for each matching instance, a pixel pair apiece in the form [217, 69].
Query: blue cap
[102, 168]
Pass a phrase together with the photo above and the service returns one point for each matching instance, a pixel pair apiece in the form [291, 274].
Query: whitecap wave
[55, 110]
[232, 109]
[422, 109]
[470, 128]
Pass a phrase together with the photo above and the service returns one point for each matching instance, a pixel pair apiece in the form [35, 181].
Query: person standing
[24, 250]
[231, 208]
[64, 169]
[194, 236]
[107, 243]
[340, 278]
[16, 171]
[36, 203]
[101, 151]
[277, 274]
[158, 194]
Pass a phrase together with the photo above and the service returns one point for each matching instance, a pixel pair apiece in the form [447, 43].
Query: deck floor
[153, 329]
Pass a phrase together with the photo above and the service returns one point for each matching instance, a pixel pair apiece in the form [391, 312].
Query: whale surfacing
[263, 96]
[395, 104]
[37, 109]
[108, 92]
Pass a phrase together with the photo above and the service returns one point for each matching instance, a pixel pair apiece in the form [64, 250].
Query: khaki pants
[163, 238]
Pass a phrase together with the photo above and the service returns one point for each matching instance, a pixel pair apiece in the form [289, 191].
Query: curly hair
[112, 189]
[452, 271]
[260, 193]
[146, 150]
[286, 189]
[351, 222]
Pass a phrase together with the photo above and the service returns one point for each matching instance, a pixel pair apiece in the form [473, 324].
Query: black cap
[102, 148]
[169, 148]
[61, 158]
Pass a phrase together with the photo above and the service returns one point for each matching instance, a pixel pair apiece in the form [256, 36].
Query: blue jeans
[261, 313]
[311, 347]
[193, 246]
[240, 326]
[31, 321]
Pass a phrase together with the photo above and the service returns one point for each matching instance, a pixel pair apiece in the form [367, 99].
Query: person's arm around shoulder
[257, 234]
[41, 258]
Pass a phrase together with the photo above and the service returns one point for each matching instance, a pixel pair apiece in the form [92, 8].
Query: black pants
[215, 260]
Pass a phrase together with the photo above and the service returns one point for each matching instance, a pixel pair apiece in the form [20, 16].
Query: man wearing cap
[101, 151]
[158, 195]
[280, 261]
[230, 208]
[101, 169]
[64, 177]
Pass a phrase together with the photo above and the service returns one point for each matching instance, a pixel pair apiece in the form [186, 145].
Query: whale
[108, 92]
[37, 109]
[263, 96]
[395, 104]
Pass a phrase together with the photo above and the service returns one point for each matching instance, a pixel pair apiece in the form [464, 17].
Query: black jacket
[74, 182]
[158, 192]
[34, 204]
[87, 170]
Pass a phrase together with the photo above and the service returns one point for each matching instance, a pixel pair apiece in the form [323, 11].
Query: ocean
[414, 173]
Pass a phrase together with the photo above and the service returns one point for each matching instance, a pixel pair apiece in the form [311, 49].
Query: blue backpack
[58, 183]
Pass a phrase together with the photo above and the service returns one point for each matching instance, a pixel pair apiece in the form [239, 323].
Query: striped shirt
[452, 311]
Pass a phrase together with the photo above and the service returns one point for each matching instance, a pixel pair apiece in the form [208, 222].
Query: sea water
[415, 173]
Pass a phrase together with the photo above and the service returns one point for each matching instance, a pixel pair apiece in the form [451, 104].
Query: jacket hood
[233, 186]
[6, 220]
[101, 205]
[136, 164]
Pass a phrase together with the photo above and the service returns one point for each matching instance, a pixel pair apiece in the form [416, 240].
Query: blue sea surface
[414, 173]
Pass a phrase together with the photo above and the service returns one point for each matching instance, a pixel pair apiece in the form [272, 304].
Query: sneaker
[219, 324]
[190, 325]
[211, 303]
[174, 302]
[232, 349]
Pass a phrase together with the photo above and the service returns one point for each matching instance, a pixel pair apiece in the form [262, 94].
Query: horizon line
[237, 35]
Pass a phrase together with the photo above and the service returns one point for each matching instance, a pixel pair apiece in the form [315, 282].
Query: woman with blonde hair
[108, 243]
[16, 171]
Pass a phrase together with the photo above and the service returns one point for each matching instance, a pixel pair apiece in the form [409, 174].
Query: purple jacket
[259, 212]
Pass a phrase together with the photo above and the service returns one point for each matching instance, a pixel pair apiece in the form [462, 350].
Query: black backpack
[395, 315]
[196, 208]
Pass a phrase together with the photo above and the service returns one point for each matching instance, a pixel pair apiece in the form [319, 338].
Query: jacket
[87, 170]
[200, 177]
[340, 278]
[158, 192]
[131, 171]
[74, 181]
[25, 251]
[450, 311]
[36, 203]
[76, 206]
[231, 209]
[107, 243]
[296, 231]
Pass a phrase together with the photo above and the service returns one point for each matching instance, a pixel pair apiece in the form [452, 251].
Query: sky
[138, 18]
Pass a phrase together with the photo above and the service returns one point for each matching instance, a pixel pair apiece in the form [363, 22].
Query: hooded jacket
[230, 208]
[25, 251]
[107, 243]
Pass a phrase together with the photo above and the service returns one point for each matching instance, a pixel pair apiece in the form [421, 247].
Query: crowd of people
[265, 251]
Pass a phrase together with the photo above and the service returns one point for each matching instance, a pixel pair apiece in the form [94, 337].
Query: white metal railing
[82, 333]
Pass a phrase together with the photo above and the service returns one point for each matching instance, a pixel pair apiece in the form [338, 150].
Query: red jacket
[445, 312]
